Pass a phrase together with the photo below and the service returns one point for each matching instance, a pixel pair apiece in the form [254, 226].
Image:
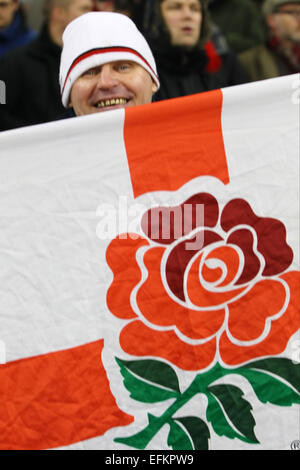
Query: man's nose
[187, 11]
[107, 77]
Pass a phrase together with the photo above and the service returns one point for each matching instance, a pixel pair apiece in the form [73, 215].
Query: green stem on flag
[199, 385]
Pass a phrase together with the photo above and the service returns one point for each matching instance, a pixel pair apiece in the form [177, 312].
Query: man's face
[7, 11]
[183, 19]
[77, 8]
[285, 23]
[114, 85]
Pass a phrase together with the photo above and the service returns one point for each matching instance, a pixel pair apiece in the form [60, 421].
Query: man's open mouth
[111, 102]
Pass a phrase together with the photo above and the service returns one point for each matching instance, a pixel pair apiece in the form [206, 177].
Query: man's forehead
[116, 63]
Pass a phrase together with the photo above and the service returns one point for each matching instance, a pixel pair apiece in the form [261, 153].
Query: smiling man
[106, 64]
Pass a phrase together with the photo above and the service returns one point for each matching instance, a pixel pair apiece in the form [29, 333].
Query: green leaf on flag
[178, 438]
[282, 367]
[197, 430]
[269, 389]
[275, 380]
[149, 381]
[230, 414]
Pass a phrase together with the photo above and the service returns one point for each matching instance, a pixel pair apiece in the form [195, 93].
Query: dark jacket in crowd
[182, 72]
[30, 74]
[15, 35]
[240, 21]
[268, 61]
[205, 67]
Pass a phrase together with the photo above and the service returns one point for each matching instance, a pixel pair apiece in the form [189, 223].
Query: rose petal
[248, 315]
[121, 258]
[139, 340]
[180, 256]
[281, 329]
[229, 257]
[244, 239]
[164, 225]
[160, 309]
[271, 234]
[210, 274]
[201, 296]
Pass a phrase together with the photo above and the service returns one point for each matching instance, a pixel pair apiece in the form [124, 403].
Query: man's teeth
[112, 102]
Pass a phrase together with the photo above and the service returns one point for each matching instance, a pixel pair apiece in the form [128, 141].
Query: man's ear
[70, 105]
[154, 88]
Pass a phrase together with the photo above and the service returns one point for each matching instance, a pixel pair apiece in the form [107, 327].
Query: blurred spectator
[240, 22]
[31, 72]
[34, 13]
[14, 31]
[281, 54]
[125, 7]
[188, 62]
[258, 3]
[133, 8]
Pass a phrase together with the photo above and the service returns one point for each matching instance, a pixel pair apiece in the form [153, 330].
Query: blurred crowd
[198, 45]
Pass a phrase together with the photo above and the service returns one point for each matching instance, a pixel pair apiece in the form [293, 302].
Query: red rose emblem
[230, 295]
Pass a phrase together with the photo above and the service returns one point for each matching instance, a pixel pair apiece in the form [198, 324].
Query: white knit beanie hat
[97, 38]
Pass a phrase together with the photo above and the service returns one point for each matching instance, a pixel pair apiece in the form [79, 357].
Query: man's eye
[91, 72]
[124, 66]
[174, 7]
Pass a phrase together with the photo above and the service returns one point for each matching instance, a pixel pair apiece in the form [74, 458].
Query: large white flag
[149, 276]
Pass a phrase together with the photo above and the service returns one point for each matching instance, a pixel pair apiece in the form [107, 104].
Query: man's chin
[188, 43]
